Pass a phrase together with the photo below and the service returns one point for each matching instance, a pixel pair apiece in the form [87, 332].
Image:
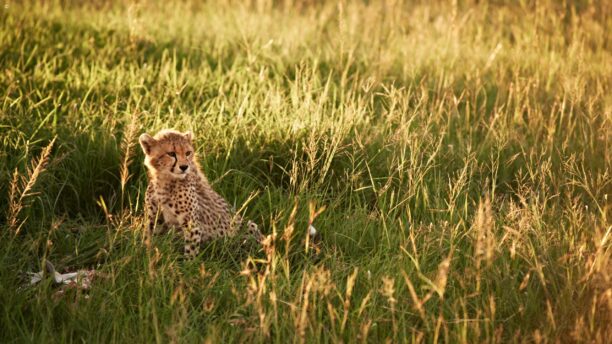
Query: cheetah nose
[183, 168]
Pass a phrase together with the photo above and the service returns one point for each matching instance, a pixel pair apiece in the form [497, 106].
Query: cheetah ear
[147, 143]
[188, 135]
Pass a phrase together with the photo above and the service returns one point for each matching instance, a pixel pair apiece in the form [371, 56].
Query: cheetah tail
[253, 230]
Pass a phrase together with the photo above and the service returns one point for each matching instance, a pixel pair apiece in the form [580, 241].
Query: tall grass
[458, 155]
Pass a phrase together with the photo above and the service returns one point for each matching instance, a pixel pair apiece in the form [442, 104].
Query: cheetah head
[169, 153]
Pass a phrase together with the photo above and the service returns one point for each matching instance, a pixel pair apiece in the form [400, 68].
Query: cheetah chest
[177, 206]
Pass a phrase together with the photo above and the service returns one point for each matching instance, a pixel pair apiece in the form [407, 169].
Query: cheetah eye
[172, 154]
[188, 153]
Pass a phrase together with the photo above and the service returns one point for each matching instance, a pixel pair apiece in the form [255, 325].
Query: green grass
[462, 153]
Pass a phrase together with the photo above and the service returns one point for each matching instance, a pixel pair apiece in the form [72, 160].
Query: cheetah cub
[179, 195]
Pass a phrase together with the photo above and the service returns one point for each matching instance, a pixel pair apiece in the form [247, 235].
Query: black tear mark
[175, 159]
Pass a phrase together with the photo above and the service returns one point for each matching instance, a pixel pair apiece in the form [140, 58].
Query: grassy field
[460, 152]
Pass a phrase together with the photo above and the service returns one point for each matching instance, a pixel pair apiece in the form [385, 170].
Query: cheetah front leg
[152, 215]
[193, 233]
[192, 240]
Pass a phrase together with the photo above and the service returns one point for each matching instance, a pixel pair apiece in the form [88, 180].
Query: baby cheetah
[179, 195]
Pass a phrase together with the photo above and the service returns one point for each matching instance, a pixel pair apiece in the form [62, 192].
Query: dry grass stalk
[442, 276]
[350, 283]
[257, 284]
[287, 237]
[485, 239]
[127, 146]
[313, 214]
[364, 330]
[17, 198]
[256, 289]
[388, 291]
[438, 287]
[13, 195]
[418, 304]
[302, 320]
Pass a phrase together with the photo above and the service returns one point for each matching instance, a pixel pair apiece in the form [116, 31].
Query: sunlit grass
[461, 154]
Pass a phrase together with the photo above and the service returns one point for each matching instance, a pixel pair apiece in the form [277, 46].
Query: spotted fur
[179, 195]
